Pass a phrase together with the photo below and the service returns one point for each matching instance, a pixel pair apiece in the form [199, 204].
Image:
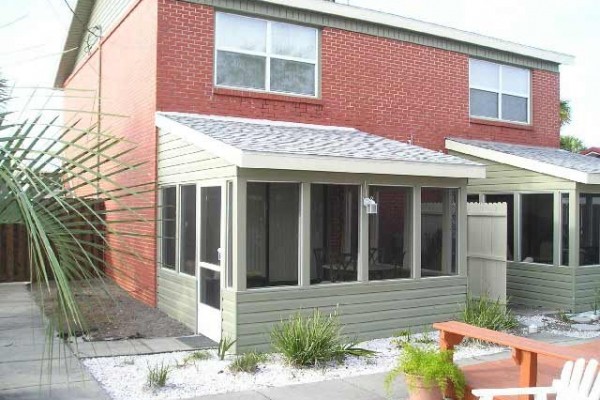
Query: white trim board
[524, 163]
[283, 161]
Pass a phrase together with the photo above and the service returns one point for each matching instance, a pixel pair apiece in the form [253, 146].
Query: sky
[32, 34]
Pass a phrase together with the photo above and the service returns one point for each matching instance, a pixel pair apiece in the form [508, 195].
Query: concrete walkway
[30, 367]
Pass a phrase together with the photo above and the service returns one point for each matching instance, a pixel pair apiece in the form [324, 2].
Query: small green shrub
[158, 375]
[307, 341]
[596, 303]
[247, 362]
[425, 338]
[224, 346]
[486, 313]
[196, 356]
[435, 367]
[401, 337]
[563, 317]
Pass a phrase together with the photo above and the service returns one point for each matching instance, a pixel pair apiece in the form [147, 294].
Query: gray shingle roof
[312, 140]
[549, 155]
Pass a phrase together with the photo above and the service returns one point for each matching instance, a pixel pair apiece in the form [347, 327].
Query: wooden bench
[525, 352]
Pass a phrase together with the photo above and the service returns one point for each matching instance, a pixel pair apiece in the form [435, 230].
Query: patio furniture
[525, 354]
[578, 381]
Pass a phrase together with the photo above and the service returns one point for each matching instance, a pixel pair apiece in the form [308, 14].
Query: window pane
[515, 80]
[484, 75]
[241, 33]
[334, 233]
[537, 228]
[272, 234]
[484, 104]
[293, 41]
[509, 199]
[514, 108]
[210, 288]
[187, 261]
[390, 233]
[240, 70]
[589, 214]
[292, 77]
[472, 198]
[438, 232]
[169, 226]
[564, 209]
[210, 225]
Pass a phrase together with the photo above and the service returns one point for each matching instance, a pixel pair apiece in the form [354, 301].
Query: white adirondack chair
[577, 382]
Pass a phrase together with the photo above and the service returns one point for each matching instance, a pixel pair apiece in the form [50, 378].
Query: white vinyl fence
[486, 250]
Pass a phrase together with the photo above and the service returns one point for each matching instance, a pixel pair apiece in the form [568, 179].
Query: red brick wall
[382, 86]
[128, 89]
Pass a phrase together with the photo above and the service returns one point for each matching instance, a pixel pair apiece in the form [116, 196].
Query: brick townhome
[271, 127]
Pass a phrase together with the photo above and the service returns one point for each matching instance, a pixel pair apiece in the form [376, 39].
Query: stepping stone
[586, 327]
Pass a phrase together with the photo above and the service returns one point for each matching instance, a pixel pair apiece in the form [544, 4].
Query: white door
[211, 220]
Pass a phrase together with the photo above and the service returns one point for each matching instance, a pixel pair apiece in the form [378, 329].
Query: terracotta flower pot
[420, 391]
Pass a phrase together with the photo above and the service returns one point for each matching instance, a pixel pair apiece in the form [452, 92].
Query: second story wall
[393, 88]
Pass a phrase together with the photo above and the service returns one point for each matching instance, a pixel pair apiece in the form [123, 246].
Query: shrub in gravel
[247, 362]
[224, 345]
[158, 375]
[489, 314]
[196, 356]
[313, 340]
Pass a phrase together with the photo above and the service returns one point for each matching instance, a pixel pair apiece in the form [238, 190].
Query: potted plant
[427, 372]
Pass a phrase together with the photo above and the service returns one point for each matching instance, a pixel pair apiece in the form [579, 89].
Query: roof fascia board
[521, 162]
[205, 142]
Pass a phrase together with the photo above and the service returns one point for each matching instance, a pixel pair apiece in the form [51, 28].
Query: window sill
[266, 96]
[503, 124]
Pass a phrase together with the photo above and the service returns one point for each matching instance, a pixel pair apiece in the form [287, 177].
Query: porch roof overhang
[544, 160]
[253, 143]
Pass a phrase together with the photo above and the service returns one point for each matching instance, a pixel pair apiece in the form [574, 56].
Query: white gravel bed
[124, 378]
[554, 326]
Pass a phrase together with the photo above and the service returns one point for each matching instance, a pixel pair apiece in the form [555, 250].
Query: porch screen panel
[210, 225]
[390, 233]
[272, 234]
[334, 233]
[439, 237]
[537, 228]
[509, 199]
[589, 214]
[564, 228]
[187, 261]
[168, 226]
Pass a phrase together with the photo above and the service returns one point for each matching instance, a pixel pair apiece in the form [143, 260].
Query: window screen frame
[268, 56]
[500, 92]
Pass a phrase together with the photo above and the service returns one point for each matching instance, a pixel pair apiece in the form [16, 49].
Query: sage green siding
[539, 285]
[587, 282]
[177, 296]
[369, 28]
[503, 178]
[367, 310]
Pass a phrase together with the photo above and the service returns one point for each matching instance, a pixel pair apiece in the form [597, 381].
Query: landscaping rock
[586, 327]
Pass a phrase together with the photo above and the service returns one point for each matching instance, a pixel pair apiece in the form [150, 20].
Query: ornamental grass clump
[158, 375]
[314, 340]
[486, 313]
[247, 362]
[426, 366]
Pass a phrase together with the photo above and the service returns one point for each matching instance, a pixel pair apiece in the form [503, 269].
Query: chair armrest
[536, 391]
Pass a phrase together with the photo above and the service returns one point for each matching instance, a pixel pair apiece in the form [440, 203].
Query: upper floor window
[499, 91]
[253, 53]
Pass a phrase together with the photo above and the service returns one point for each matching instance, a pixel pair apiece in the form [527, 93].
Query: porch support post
[304, 259]
[574, 228]
[363, 237]
[416, 223]
[557, 228]
[239, 234]
[462, 219]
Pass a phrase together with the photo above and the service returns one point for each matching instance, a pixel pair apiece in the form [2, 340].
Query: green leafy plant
[563, 317]
[486, 313]
[158, 375]
[247, 362]
[596, 302]
[313, 340]
[401, 337]
[224, 345]
[434, 367]
[196, 356]
[425, 338]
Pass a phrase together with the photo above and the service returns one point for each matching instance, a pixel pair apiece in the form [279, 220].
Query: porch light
[370, 205]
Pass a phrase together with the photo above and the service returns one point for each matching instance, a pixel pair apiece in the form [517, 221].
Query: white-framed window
[258, 54]
[498, 91]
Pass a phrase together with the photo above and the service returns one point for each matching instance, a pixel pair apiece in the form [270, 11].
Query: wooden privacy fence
[14, 246]
[486, 250]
